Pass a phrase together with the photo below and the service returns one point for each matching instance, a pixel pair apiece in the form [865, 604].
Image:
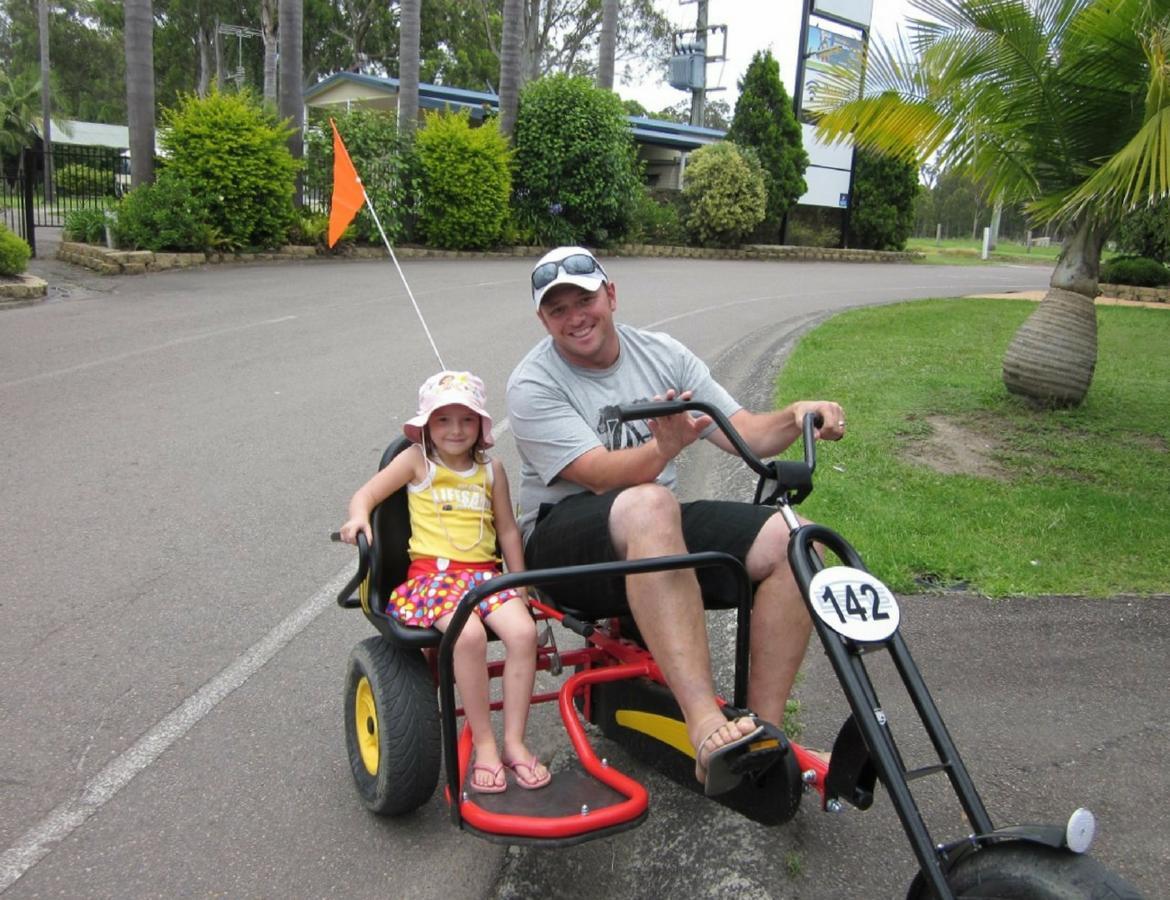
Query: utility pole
[688, 64]
[240, 32]
[699, 92]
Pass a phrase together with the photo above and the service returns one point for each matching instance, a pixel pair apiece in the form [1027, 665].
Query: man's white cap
[552, 271]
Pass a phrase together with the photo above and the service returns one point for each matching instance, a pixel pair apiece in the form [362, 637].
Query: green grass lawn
[1074, 502]
[968, 252]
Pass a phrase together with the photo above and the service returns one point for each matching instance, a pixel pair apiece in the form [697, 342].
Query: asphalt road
[176, 449]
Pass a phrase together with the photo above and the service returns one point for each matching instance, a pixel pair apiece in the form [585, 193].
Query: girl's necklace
[482, 514]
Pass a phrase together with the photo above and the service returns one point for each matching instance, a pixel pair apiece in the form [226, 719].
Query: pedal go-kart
[400, 711]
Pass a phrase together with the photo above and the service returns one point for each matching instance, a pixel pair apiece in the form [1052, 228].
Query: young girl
[459, 508]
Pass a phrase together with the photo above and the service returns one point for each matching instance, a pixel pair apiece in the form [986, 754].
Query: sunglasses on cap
[574, 264]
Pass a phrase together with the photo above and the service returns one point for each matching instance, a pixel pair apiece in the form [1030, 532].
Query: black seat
[389, 559]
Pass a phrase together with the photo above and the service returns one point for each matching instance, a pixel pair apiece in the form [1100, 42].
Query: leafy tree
[724, 195]
[881, 216]
[1062, 105]
[577, 177]
[1146, 231]
[234, 154]
[764, 121]
[716, 114]
[379, 155]
[465, 181]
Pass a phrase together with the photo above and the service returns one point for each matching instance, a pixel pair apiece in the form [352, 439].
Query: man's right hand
[674, 433]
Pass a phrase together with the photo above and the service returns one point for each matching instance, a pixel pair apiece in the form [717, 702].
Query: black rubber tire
[401, 731]
[1018, 870]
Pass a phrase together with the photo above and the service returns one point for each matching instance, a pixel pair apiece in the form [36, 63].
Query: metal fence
[80, 178]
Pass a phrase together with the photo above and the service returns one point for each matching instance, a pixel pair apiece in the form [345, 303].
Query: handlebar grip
[650, 410]
[576, 625]
[345, 598]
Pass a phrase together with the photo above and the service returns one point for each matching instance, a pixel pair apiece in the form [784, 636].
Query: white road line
[166, 345]
[40, 840]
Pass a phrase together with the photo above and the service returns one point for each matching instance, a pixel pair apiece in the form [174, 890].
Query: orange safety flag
[348, 196]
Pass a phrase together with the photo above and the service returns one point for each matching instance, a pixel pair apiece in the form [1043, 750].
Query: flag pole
[405, 284]
[344, 206]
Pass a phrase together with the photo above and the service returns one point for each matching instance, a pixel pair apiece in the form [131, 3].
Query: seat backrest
[390, 522]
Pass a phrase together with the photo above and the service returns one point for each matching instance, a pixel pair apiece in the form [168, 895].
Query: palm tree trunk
[268, 33]
[408, 36]
[607, 44]
[1051, 358]
[290, 34]
[510, 65]
[139, 33]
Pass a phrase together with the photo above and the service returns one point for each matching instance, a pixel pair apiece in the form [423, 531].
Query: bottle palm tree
[139, 34]
[408, 38]
[1064, 104]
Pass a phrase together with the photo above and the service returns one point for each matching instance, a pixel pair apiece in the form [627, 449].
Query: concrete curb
[26, 290]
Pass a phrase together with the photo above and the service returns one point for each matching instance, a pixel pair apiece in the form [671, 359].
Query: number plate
[854, 604]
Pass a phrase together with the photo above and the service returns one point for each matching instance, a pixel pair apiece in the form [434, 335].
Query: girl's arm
[507, 531]
[407, 466]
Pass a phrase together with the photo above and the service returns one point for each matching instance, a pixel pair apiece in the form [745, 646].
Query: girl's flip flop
[530, 782]
[499, 782]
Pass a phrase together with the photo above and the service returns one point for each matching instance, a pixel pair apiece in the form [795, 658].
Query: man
[593, 489]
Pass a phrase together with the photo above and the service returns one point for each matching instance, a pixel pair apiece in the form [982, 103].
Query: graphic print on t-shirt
[618, 435]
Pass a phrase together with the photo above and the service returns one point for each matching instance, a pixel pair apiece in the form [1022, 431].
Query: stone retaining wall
[136, 262]
[1142, 294]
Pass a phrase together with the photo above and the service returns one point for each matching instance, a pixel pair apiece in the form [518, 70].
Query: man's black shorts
[576, 532]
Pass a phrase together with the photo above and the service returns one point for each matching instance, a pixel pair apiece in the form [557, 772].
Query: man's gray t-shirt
[559, 411]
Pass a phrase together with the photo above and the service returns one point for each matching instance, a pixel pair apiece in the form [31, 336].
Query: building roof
[86, 134]
[344, 87]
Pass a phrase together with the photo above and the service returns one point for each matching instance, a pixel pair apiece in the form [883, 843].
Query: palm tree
[408, 37]
[606, 44]
[291, 26]
[1064, 104]
[510, 65]
[139, 33]
[18, 111]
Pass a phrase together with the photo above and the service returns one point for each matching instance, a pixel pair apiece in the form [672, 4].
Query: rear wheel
[1026, 871]
[391, 727]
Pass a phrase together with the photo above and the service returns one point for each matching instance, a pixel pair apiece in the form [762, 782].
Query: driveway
[177, 448]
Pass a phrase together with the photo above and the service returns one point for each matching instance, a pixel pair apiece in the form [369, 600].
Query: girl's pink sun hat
[448, 388]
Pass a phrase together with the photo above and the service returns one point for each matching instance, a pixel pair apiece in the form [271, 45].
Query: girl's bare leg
[515, 626]
[471, 676]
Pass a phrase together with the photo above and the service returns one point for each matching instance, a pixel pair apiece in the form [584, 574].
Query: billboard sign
[826, 48]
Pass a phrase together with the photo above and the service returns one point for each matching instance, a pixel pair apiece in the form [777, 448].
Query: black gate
[81, 178]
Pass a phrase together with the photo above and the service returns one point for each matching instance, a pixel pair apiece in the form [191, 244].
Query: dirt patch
[955, 449]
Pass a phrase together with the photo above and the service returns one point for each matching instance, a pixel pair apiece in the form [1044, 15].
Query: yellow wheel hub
[366, 719]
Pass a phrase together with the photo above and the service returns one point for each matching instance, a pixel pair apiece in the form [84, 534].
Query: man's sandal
[715, 771]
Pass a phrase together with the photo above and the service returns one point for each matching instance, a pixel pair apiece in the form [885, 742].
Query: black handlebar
[791, 481]
[345, 597]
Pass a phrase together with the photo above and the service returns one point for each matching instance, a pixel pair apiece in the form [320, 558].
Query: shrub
[1139, 271]
[884, 190]
[724, 195]
[14, 252]
[465, 181]
[167, 215]
[372, 141]
[87, 225]
[1145, 231]
[79, 180]
[657, 219]
[233, 155]
[577, 176]
[309, 228]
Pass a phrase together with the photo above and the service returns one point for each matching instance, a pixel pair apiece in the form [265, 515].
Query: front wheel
[1018, 870]
[391, 726]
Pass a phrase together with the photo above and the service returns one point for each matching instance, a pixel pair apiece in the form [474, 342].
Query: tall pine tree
[764, 121]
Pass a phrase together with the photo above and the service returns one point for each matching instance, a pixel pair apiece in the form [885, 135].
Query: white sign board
[859, 12]
[827, 175]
